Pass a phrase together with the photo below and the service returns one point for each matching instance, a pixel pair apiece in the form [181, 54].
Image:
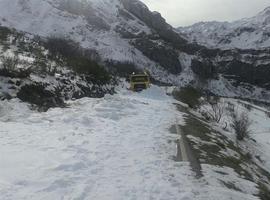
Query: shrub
[247, 106]
[81, 61]
[21, 73]
[9, 68]
[4, 33]
[216, 111]
[267, 113]
[91, 69]
[122, 69]
[189, 96]
[230, 107]
[241, 124]
[39, 95]
[10, 63]
[42, 66]
[62, 47]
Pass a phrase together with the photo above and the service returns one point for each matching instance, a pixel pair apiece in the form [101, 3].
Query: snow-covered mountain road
[118, 147]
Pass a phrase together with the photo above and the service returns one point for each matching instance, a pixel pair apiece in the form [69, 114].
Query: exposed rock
[204, 69]
[155, 21]
[246, 72]
[125, 14]
[84, 8]
[166, 56]
[126, 33]
[262, 76]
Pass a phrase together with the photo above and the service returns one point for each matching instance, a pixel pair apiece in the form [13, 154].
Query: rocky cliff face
[247, 66]
[155, 21]
[239, 51]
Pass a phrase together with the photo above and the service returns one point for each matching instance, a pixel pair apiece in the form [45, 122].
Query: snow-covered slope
[248, 33]
[109, 27]
[60, 18]
[31, 72]
[127, 31]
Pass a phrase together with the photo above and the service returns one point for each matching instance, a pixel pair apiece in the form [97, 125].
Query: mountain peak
[266, 11]
[247, 33]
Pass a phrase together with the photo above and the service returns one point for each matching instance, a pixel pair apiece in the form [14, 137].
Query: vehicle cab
[139, 82]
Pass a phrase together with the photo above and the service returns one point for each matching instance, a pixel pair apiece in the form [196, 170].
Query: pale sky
[187, 12]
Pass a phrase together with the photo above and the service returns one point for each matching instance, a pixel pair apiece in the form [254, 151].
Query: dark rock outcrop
[155, 21]
[262, 76]
[125, 14]
[243, 65]
[246, 72]
[203, 69]
[165, 55]
[243, 72]
[127, 33]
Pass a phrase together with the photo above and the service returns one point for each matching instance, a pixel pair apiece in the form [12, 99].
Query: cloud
[187, 12]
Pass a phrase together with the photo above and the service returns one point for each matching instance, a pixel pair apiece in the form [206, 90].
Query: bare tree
[10, 62]
[216, 111]
[241, 124]
[267, 113]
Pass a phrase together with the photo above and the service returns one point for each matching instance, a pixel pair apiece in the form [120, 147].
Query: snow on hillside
[94, 26]
[257, 142]
[44, 18]
[224, 87]
[259, 130]
[248, 33]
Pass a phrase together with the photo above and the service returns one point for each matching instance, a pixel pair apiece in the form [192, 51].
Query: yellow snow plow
[139, 82]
